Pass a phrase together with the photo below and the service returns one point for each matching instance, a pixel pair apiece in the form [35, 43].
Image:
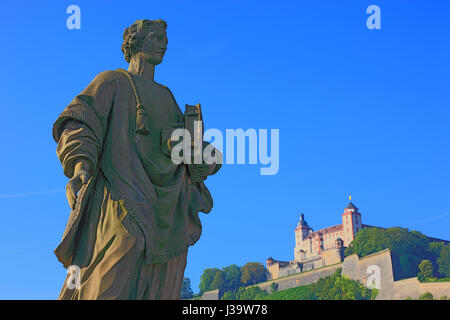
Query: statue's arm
[78, 152]
[77, 144]
[80, 130]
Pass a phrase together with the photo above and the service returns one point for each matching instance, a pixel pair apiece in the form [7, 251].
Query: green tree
[233, 277]
[371, 240]
[219, 281]
[443, 261]
[186, 290]
[253, 272]
[229, 295]
[206, 279]
[436, 248]
[426, 296]
[226, 279]
[408, 248]
[349, 250]
[273, 286]
[426, 270]
[251, 293]
[367, 241]
[338, 287]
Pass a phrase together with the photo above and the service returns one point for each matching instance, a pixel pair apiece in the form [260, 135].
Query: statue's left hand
[166, 133]
[80, 177]
[203, 170]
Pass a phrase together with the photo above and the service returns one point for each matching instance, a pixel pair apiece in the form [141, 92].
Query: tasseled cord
[141, 120]
[142, 126]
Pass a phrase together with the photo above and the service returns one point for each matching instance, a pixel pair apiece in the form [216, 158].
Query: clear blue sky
[360, 112]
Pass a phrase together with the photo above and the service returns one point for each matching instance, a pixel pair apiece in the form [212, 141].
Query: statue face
[154, 46]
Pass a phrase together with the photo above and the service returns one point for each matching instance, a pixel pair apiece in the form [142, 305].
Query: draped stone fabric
[136, 217]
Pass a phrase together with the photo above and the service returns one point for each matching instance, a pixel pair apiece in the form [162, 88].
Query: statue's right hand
[80, 177]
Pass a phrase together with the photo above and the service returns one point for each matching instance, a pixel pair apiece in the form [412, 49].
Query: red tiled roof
[324, 231]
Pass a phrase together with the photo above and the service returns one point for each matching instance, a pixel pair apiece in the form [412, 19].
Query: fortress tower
[301, 232]
[351, 223]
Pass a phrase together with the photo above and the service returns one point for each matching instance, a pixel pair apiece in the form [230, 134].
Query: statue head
[146, 38]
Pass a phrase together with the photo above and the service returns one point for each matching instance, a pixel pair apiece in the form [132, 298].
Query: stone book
[194, 125]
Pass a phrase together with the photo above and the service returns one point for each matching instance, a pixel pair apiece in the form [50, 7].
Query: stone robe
[136, 217]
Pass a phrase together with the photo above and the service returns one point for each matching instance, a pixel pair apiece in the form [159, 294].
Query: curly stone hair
[133, 36]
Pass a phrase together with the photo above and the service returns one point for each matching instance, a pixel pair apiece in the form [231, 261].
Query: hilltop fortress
[315, 249]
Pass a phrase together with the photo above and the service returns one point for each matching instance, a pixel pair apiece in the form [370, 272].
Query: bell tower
[351, 222]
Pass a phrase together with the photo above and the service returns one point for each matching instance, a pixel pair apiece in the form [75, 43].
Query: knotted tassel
[141, 116]
[141, 120]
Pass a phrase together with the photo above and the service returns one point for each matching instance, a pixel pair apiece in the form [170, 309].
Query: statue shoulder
[168, 91]
[109, 76]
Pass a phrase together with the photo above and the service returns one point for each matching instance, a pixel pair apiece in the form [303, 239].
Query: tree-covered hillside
[408, 249]
[334, 287]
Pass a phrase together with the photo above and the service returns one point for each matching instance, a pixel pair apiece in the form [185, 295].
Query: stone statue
[134, 211]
